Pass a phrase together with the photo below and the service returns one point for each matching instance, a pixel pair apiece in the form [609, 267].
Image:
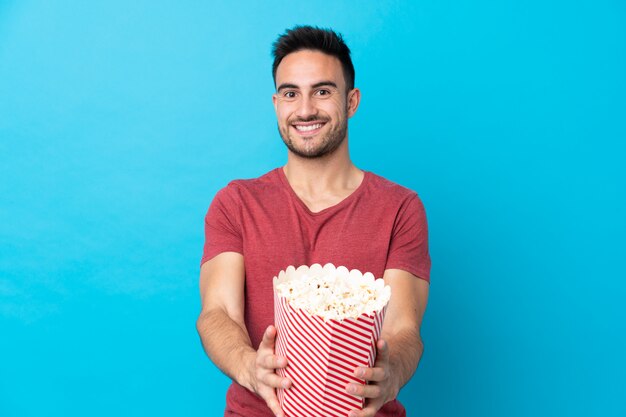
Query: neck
[316, 176]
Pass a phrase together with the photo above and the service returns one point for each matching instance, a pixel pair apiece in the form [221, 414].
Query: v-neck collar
[346, 200]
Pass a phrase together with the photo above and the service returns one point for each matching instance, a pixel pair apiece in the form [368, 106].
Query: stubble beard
[329, 143]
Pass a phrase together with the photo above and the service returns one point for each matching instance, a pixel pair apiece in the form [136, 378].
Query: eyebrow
[286, 85]
[316, 85]
[324, 84]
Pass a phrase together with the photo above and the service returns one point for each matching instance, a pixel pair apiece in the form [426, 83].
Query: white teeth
[308, 128]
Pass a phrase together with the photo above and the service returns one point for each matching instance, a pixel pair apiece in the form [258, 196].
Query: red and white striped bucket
[322, 356]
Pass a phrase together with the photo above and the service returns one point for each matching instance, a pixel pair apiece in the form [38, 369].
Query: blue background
[120, 120]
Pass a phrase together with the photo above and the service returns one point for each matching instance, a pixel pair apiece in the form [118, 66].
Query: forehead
[308, 67]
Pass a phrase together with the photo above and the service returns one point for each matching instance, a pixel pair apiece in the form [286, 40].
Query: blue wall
[120, 120]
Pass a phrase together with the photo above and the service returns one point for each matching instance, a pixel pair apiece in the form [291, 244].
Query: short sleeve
[222, 231]
[408, 249]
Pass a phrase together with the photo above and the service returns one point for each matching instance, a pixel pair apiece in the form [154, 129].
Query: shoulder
[267, 180]
[244, 189]
[391, 191]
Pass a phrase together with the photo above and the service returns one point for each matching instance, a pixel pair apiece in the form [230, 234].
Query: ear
[354, 98]
[275, 102]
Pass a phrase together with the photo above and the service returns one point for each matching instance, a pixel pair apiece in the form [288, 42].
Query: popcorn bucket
[322, 355]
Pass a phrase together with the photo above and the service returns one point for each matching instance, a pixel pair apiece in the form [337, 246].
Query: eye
[323, 92]
[289, 94]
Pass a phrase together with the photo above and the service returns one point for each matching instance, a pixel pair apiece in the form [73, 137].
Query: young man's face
[312, 104]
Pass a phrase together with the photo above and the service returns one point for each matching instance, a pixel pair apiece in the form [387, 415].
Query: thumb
[383, 350]
[269, 338]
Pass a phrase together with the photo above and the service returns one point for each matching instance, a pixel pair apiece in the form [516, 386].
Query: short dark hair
[309, 37]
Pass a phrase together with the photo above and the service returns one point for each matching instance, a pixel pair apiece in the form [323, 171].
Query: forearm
[405, 352]
[227, 344]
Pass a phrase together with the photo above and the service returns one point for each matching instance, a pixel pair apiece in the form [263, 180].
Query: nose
[306, 108]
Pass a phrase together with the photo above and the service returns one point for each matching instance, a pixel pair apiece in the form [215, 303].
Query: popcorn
[332, 293]
[328, 321]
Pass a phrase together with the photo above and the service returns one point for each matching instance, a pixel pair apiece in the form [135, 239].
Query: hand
[381, 388]
[265, 380]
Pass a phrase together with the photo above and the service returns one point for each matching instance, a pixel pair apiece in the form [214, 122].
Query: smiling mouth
[308, 128]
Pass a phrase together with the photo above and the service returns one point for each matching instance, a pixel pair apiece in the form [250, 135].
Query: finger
[273, 361]
[269, 336]
[276, 381]
[383, 351]
[369, 411]
[371, 374]
[361, 413]
[272, 402]
[365, 391]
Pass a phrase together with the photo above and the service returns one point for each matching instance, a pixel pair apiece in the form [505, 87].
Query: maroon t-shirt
[380, 226]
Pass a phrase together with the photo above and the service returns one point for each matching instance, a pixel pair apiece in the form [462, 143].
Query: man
[318, 208]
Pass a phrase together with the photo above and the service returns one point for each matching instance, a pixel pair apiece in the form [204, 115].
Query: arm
[224, 335]
[400, 346]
